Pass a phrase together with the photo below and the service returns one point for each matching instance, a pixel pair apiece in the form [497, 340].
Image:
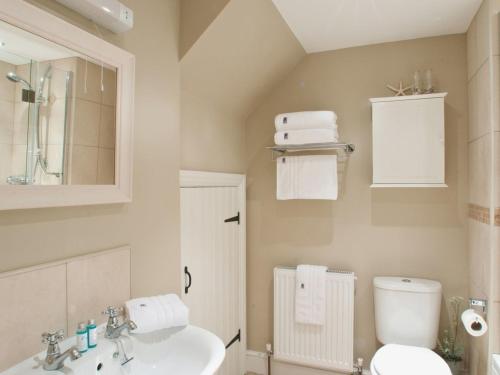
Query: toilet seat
[394, 359]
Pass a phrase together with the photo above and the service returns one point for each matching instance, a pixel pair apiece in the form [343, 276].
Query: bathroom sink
[181, 351]
[495, 363]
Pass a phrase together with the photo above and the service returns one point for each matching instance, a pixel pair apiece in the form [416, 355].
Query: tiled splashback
[57, 296]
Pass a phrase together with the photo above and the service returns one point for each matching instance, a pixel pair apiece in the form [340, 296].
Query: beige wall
[196, 16]
[411, 232]
[483, 62]
[151, 222]
[246, 50]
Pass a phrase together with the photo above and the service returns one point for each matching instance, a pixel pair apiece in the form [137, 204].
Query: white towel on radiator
[306, 120]
[158, 312]
[307, 177]
[306, 136]
[310, 298]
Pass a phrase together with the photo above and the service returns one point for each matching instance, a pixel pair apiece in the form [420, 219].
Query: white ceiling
[322, 25]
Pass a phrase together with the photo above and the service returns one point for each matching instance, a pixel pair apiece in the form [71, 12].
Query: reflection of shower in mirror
[44, 156]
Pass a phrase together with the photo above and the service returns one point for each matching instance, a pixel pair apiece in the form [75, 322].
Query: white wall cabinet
[408, 141]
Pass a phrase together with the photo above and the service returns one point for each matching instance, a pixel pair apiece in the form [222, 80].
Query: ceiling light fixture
[106, 9]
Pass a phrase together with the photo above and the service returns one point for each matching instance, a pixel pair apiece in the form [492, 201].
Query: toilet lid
[393, 359]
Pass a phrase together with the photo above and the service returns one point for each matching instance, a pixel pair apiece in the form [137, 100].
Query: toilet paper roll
[474, 323]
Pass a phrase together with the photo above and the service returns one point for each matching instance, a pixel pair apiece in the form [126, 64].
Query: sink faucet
[55, 359]
[114, 329]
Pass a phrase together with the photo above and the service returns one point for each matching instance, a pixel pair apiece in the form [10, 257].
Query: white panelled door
[211, 265]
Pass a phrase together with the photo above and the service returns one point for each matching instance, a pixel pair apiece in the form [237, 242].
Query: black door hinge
[234, 218]
[235, 338]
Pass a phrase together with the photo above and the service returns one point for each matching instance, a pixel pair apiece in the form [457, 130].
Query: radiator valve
[358, 367]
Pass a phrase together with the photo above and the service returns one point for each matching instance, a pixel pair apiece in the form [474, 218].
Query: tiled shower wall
[6, 121]
[91, 145]
[56, 296]
[484, 178]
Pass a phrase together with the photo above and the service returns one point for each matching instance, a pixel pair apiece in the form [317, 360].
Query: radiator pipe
[269, 352]
[358, 367]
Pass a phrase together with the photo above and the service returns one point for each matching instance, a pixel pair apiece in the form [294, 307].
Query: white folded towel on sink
[158, 312]
[306, 136]
[305, 120]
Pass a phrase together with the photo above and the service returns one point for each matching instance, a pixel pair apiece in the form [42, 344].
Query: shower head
[13, 77]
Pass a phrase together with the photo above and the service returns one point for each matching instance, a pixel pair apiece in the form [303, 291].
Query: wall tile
[84, 165]
[86, 123]
[497, 169]
[7, 88]
[109, 93]
[88, 81]
[23, 71]
[21, 118]
[472, 56]
[483, 33]
[56, 116]
[55, 154]
[32, 303]
[107, 127]
[18, 165]
[480, 124]
[495, 30]
[106, 166]
[95, 283]
[496, 267]
[479, 259]
[496, 92]
[479, 171]
[6, 121]
[5, 162]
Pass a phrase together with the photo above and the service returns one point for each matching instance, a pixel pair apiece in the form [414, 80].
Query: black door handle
[186, 287]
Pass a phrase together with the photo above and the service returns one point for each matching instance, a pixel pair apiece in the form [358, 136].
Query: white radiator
[328, 347]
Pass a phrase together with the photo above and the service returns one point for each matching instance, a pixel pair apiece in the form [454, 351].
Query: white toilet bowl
[394, 359]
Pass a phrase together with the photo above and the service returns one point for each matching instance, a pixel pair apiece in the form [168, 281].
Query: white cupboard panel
[409, 141]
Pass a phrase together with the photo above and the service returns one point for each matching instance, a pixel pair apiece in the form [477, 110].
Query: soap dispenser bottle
[92, 334]
[82, 338]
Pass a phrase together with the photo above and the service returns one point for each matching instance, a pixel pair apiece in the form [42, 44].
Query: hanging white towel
[158, 312]
[307, 177]
[307, 136]
[306, 120]
[310, 298]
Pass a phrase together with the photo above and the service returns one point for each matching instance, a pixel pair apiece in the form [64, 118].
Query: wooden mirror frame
[34, 20]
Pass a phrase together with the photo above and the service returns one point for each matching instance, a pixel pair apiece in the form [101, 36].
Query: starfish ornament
[401, 91]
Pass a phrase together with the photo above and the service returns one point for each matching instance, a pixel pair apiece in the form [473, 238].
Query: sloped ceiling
[323, 25]
[196, 16]
[241, 55]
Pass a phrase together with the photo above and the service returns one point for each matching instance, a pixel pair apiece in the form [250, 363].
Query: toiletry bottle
[92, 334]
[82, 338]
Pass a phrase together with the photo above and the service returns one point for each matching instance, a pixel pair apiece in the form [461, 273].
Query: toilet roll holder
[475, 303]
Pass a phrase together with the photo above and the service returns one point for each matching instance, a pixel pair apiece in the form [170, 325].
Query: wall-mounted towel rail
[280, 150]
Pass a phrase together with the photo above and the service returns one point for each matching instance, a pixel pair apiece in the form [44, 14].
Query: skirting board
[256, 363]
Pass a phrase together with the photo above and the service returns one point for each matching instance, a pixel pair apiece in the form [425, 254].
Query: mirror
[58, 113]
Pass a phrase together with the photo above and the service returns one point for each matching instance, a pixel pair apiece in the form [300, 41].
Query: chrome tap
[55, 359]
[114, 329]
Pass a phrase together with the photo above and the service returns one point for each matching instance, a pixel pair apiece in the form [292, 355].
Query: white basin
[181, 351]
[495, 363]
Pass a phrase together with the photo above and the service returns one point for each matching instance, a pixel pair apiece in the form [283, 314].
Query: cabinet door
[408, 141]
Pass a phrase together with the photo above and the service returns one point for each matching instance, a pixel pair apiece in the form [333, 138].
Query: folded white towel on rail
[307, 177]
[306, 120]
[305, 136]
[158, 312]
[310, 298]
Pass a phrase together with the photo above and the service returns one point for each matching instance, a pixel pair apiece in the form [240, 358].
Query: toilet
[407, 321]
